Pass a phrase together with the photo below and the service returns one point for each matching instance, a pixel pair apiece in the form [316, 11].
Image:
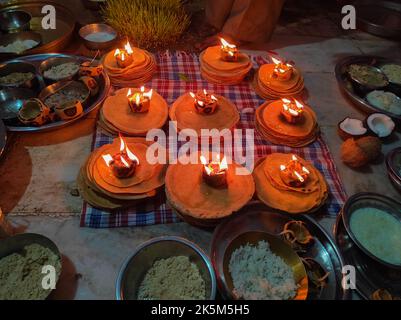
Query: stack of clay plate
[116, 116]
[270, 88]
[273, 127]
[184, 113]
[215, 70]
[100, 188]
[271, 189]
[199, 204]
[139, 72]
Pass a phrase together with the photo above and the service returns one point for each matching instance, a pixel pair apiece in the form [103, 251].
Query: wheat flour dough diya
[278, 79]
[224, 64]
[289, 183]
[203, 110]
[208, 191]
[129, 66]
[119, 175]
[133, 112]
[287, 122]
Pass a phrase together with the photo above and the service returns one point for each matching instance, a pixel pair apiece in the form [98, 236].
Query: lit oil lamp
[292, 110]
[229, 52]
[204, 102]
[124, 56]
[215, 172]
[294, 174]
[139, 101]
[282, 70]
[123, 163]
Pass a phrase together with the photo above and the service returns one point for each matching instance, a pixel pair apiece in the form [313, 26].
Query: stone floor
[38, 173]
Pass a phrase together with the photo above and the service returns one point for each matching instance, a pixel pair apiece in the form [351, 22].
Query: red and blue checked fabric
[179, 73]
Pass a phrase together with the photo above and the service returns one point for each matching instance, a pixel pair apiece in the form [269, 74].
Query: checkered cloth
[178, 74]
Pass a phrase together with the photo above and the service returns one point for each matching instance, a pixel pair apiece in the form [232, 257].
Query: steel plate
[53, 40]
[93, 103]
[348, 89]
[370, 275]
[381, 18]
[257, 217]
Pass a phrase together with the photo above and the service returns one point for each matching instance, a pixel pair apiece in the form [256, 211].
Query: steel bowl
[20, 36]
[364, 87]
[136, 266]
[22, 67]
[13, 21]
[393, 163]
[17, 243]
[11, 100]
[369, 200]
[278, 247]
[56, 61]
[95, 28]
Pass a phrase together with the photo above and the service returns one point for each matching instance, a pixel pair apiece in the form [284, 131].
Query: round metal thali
[370, 274]
[93, 103]
[349, 90]
[257, 217]
[381, 18]
[53, 40]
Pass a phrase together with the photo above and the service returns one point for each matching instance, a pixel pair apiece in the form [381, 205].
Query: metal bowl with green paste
[368, 76]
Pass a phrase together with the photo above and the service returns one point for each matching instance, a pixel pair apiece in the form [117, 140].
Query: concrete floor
[39, 170]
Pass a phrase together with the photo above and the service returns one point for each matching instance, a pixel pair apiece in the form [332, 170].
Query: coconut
[371, 146]
[380, 124]
[353, 155]
[351, 128]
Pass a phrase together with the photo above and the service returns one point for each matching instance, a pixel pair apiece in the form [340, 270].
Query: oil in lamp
[204, 102]
[294, 174]
[139, 101]
[292, 110]
[282, 70]
[215, 172]
[123, 163]
[124, 56]
[229, 52]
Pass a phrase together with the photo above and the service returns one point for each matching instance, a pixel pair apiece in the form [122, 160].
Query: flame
[223, 166]
[299, 176]
[128, 48]
[108, 159]
[299, 104]
[305, 170]
[117, 52]
[282, 167]
[205, 92]
[213, 98]
[276, 61]
[124, 147]
[294, 158]
[137, 99]
[192, 94]
[225, 44]
[129, 93]
[148, 94]
[123, 56]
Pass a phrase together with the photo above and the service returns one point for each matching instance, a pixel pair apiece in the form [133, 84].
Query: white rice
[259, 274]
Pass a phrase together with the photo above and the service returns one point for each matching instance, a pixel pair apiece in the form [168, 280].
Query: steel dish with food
[59, 69]
[98, 36]
[18, 74]
[367, 76]
[19, 43]
[133, 271]
[262, 282]
[373, 222]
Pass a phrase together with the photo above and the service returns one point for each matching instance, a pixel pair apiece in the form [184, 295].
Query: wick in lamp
[124, 56]
[229, 52]
[292, 110]
[283, 70]
[204, 102]
[139, 101]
